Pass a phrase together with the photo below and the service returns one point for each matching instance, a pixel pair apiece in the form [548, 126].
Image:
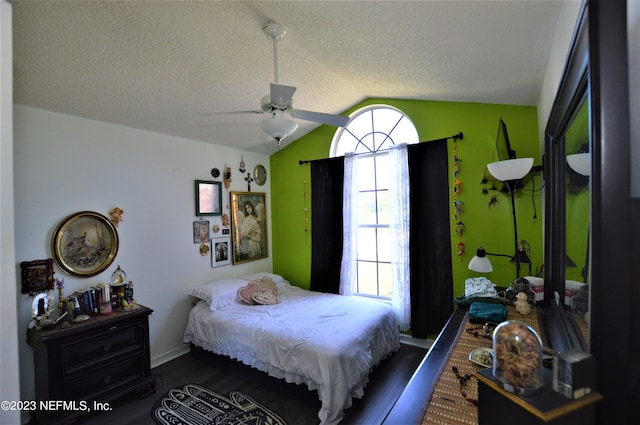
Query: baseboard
[166, 357]
[416, 342]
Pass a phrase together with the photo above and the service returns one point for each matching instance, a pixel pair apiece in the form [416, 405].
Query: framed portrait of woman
[248, 226]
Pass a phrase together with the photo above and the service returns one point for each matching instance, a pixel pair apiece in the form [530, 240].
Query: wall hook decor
[226, 178]
[248, 179]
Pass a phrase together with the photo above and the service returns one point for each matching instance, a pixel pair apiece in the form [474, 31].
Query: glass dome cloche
[517, 363]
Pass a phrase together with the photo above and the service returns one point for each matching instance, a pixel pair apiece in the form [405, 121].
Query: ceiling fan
[278, 102]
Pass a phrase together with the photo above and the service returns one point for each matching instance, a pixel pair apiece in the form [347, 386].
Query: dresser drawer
[93, 350]
[90, 385]
[101, 359]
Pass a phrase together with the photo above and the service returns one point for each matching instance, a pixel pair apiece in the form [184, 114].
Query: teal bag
[481, 312]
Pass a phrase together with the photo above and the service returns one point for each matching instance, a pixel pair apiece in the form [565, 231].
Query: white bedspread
[328, 342]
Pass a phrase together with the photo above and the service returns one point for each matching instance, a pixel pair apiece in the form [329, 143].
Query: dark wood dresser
[81, 368]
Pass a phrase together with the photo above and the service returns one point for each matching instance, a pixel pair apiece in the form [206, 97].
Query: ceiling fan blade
[322, 118]
[211, 114]
[281, 95]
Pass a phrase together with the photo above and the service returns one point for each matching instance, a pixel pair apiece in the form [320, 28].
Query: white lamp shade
[480, 264]
[510, 169]
[278, 128]
[580, 163]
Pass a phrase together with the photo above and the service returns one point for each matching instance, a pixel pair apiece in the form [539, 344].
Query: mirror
[564, 235]
[578, 209]
[208, 198]
[597, 67]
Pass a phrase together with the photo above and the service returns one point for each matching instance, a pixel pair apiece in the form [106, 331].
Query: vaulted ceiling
[154, 65]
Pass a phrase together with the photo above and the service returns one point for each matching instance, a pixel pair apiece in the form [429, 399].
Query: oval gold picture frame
[260, 174]
[84, 244]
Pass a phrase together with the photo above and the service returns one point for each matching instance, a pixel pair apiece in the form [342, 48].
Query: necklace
[463, 379]
[487, 330]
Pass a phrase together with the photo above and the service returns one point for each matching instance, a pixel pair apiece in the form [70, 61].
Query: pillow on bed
[268, 283]
[246, 292]
[258, 276]
[259, 291]
[219, 293]
[265, 297]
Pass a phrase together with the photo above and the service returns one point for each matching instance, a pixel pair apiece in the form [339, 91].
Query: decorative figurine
[116, 215]
[460, 250]
[522, 304]
[62, 303]
[242, 168]
[118, 277]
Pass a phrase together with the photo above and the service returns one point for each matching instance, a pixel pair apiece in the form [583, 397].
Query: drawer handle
[107, 379]
[106, 347]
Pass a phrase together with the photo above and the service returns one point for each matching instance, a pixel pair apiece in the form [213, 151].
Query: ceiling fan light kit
[278, 127]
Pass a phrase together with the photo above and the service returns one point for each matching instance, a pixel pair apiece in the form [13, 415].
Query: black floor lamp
[509, 172]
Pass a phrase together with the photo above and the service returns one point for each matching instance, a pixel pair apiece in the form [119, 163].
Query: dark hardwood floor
[294, 403]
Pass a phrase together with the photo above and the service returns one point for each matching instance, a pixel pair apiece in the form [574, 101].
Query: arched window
[370, 133]
[374, 129]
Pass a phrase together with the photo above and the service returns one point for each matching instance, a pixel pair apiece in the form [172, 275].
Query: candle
[60, 283]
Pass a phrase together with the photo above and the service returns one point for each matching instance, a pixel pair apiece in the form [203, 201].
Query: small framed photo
[37, 276]
[201, 231]
[221, 251]
[208, 198]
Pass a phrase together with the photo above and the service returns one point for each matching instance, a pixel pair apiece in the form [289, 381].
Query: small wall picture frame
[221, 251]
[208, 198]
[201, 231]
[37, 276]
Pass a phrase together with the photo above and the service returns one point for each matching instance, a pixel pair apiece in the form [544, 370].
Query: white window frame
[373, 141]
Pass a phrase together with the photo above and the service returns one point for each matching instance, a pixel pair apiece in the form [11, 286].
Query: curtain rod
[458, 136]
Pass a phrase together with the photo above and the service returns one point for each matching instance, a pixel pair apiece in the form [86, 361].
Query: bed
[328, 342]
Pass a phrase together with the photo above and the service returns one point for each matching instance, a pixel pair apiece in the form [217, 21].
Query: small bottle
[77, 311]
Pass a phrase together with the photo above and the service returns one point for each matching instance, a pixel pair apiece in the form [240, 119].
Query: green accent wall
[488, 226]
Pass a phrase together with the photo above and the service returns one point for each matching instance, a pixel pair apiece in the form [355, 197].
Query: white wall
[65, 164]
[565, 28]
[9, 361]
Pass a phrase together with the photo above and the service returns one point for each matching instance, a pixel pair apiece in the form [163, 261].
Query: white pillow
[219, 293]
[277, 279]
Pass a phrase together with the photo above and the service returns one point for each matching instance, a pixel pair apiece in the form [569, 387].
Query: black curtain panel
[430, 241]
[430, 238]
[327, 178]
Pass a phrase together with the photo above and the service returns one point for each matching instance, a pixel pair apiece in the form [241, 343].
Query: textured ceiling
[154, 65]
